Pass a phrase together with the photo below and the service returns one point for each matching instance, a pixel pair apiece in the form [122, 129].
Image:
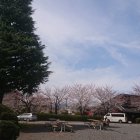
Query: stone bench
[54, 127]
[70, 127]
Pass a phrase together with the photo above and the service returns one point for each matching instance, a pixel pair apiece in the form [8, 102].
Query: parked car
[27, 117]
[116, 117]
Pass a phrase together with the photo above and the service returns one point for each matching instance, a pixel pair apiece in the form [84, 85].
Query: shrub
[4, 108]
[8, 130]
[137, 120]
[97, 117]
[42, 117]
[46, 117]
[9, 116]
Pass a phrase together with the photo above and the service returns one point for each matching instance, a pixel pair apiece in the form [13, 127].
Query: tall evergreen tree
[23, 65]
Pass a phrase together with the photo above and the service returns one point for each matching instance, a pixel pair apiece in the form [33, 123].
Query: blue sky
[91, 41]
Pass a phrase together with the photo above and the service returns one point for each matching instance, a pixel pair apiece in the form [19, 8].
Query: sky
[90, 41]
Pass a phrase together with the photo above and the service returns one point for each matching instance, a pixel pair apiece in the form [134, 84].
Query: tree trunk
[1, 97]
[28, 108]
[51, 108]
[56, 108]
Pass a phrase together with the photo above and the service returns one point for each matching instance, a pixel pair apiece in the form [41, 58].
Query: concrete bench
[70, 127]
[87, 124]
[96, 125]
[54, 127]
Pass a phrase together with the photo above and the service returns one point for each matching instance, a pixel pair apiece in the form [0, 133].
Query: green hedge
[8, 130]
[46, 117]
[4, 108]
[137, 120]
[9, 116]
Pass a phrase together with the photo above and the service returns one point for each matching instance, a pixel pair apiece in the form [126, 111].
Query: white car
[116, 117]
[27, 117]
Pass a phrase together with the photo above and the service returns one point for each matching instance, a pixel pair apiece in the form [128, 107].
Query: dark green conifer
[23, 65]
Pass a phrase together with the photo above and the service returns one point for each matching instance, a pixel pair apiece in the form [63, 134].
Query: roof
[128, 103]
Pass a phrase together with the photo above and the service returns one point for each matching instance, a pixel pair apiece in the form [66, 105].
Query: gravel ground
[81, 132]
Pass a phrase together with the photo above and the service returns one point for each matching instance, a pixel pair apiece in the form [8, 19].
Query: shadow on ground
[38, 128]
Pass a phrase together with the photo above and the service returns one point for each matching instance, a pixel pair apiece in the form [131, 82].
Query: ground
[81, 132]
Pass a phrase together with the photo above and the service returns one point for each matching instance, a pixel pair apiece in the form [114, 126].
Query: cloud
[103, 76]
[71, 29]
[117, 56]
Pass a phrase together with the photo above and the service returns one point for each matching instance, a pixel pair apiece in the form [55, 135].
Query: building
[122, 103]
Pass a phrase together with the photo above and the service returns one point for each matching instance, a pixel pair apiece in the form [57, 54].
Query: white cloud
[62, 33]
[105, 76]
[131, 45]
[117, 55]
[58, 28]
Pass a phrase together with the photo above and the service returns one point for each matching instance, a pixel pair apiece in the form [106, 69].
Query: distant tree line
[77, 97]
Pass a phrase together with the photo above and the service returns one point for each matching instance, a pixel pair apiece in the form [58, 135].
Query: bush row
[137, 120]
[9, 128]
[4, 108]
[46, 117]
[9, 116]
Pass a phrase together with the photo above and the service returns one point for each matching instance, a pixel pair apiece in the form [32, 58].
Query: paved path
[82, 132]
